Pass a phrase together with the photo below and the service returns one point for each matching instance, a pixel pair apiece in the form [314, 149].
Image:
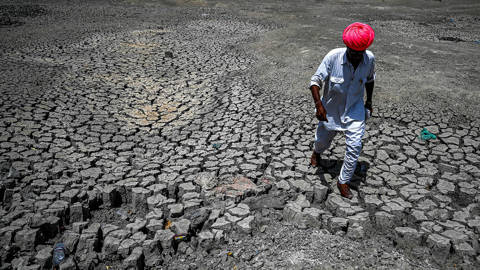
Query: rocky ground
[176, 134]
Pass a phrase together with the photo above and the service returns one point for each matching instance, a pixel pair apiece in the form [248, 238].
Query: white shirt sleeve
[371, 73]
[322, 73]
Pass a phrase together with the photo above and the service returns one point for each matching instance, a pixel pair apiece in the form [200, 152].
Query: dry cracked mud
[176, 134]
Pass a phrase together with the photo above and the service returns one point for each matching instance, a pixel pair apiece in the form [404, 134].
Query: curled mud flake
[167, 117]
[150, 32]
[22, 10]
[168, 108]
[137, 45]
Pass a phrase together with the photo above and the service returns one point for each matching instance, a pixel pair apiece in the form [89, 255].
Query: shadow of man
[334, 166]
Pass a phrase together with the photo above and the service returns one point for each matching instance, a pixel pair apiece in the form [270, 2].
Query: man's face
[354, 56]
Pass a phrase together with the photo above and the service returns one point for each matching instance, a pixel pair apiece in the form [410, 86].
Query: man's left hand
[368, 105]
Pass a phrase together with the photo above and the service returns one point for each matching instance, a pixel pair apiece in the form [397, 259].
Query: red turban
[358, 36]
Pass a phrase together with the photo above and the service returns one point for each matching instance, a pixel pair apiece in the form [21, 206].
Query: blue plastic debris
[58, 254]
[427, 135]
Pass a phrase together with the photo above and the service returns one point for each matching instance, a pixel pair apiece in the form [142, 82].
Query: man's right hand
[321, 113]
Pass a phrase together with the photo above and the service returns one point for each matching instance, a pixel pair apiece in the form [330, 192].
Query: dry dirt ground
[177, 134]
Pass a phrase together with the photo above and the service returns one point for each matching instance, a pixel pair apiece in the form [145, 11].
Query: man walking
[346, 73]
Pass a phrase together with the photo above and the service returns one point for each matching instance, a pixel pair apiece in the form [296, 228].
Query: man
[346, 73]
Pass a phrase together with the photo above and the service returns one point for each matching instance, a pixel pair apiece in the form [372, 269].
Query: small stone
[455, 236]
[355, 231]
[139, 237]
[445, 187]
[111, 245]
[242, 210]
[292, 212]
[184, 188]
[283, 184]
[151, 248]
[78, 227]
[158, 189]
[156, 201]
[68, 264]
[245, 224]
[70, 195]
[232, 219]
[76, 213]
[197, 218]
[303, 187]
[27, 239]
[335, 202]
[205, 239]
[107, 228]
[44, 257]
[155, 213]
[91, 173]
[439, 247]
[95, 229]
[464, 249]
[136, 226]
[181, 227]
[139, 198]
[408, 238]
[206, 180]
[70, 239]
[111, 197]
[302, 201]
[182, 247]
[214, 215]
[418, 216]
[87, 243]
[222, 224]
[165, 237]
[190, 196]
[361, 219]
[176, 210]
[384, 220]
[312, 217]
[191, 205]
[136, 260]
[155, 225]
[126, 246]
[120, 234]
[219, 235]
[337, 224]
[475, 225]
[372, 202]
[320, 193]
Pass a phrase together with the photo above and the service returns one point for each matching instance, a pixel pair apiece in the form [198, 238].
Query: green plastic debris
[427, 135]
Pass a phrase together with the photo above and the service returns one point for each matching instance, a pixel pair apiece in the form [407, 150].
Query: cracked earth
[177, 135]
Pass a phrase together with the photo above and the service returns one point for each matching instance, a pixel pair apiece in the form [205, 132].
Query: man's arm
[321, 113]
[369, 88]
[316, 83]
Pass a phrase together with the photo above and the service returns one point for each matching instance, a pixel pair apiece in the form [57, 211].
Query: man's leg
[353, 138]
[323, 139]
